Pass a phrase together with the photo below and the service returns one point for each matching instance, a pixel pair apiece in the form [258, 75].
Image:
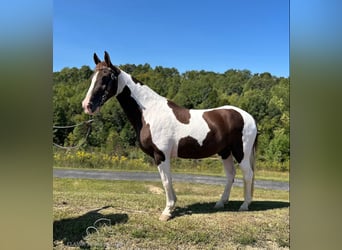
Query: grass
[132, 210]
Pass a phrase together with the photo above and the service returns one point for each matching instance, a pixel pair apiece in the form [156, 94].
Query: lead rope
[88, 123]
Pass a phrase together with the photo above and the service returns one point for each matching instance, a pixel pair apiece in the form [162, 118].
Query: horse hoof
[243, 209]
[219, 205]
[164, 217]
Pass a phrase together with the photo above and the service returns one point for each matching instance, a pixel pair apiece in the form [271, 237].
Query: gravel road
[148, 176]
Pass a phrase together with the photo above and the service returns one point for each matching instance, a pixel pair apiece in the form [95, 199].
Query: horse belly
[189, 147]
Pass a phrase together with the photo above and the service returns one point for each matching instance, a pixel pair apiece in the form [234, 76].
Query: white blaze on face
[86, 100]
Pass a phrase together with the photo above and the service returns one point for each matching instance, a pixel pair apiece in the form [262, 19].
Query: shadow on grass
[73, 230]
[232, 206]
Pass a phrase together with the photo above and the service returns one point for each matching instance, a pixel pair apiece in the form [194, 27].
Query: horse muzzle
[89, 108]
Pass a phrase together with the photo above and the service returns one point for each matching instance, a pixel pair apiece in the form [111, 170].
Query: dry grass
[132, 210]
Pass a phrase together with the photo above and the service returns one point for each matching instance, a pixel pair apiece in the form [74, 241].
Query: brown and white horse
[166, 130]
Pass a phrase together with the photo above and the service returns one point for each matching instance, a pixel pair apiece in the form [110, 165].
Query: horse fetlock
[171, 205]
[175, 200]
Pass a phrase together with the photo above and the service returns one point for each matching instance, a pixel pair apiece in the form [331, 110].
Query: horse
[165, 130]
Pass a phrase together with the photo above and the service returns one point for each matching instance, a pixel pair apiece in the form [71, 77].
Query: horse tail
[252, 160]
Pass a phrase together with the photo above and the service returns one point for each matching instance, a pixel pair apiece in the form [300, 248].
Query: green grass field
[130, 212]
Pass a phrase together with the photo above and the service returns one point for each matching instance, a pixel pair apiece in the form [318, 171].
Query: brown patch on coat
[224, 137]
[147, 145]
[131, 109]
[143, 132]
[182, 114]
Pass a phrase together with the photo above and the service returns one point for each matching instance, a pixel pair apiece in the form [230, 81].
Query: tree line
[263, 95]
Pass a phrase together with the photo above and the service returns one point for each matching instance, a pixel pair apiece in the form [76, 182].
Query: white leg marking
[230, 174]
[165, 175]
[248, 179]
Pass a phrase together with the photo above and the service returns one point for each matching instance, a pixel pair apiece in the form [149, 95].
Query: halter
[112, 76]
[104, 97]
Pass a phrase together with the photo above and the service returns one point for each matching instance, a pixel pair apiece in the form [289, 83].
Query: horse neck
[135, 97]
[142, 94]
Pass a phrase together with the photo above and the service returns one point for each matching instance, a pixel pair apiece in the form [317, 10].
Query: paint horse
[165, 130]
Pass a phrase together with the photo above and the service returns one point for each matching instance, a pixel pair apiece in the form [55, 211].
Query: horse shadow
[71, 231]
[232, 206]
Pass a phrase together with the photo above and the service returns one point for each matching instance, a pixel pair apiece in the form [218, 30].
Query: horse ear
[107, 59]
[109, 63]
[96, 59]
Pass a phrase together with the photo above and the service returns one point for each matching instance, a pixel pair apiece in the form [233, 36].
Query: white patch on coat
[167, 130]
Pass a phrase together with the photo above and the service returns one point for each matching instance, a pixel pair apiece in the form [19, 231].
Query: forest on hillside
[263, 95]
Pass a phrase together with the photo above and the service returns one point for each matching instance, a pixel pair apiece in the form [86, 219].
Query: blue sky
[211, 35]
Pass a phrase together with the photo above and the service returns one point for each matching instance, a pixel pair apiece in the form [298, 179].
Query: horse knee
[230, 173]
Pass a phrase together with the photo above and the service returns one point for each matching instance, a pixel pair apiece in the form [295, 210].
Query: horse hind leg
[230, 171]
[165, 174]
[248, 178]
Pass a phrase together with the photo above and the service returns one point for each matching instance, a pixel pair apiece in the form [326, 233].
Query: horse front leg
[165, 175]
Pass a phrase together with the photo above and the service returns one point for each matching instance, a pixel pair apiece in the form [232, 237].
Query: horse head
[104, 84]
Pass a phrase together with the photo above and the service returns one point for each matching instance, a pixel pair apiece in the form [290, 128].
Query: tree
[279, 147]
[255, 102]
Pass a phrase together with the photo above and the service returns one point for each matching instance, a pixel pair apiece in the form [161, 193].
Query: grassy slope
[134, 207]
